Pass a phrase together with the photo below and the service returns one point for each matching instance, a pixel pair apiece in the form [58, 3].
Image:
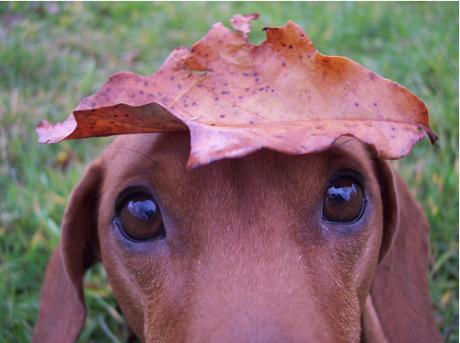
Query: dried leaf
[242, 23]
[236, 98]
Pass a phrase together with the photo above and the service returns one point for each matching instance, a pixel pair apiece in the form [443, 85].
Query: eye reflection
[143, 209]
[342, 193]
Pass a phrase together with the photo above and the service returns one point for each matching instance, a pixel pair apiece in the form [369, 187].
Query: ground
[52, 55]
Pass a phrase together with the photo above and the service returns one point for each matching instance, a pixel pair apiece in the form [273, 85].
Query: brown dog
[325, 247]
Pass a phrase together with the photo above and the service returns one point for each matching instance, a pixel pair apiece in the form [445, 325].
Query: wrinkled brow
[139, 153]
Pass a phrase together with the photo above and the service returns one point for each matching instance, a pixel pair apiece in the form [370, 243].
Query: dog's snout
[263, 296]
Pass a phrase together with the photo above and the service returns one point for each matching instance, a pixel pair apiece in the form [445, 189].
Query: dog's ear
[398, 308]
[62, 309]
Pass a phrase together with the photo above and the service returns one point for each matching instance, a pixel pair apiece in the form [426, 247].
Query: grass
[52, 55]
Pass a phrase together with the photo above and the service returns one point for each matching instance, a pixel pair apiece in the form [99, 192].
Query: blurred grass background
[53, 54]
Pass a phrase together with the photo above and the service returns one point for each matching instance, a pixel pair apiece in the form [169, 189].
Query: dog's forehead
[169, 151]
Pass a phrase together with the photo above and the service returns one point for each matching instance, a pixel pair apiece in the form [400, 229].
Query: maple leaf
[235, 98]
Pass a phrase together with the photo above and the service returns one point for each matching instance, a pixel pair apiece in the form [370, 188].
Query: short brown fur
[247, 256]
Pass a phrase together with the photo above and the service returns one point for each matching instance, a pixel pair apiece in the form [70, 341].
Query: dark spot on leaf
[171, 78]
[146, 83]
[393, 128]
[222, 116]
[372, 76]
[283, 64]
[356, 104]
[225, 92]
[290, 46]
[375, 104]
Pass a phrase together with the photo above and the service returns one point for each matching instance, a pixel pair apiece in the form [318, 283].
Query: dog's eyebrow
[141, 154]
[339, 152]
[337, 149]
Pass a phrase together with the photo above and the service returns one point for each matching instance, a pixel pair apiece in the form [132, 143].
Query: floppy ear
[398, 308]
[62, 309]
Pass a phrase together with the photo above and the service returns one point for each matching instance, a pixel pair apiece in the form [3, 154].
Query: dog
[322, 247]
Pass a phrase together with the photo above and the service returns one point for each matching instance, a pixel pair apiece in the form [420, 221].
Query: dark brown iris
[140, 218]
[343, 201]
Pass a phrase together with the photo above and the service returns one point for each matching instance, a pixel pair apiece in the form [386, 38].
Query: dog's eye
[344, 200]
[139, 218]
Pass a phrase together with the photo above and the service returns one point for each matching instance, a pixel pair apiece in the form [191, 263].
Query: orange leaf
[236, 98]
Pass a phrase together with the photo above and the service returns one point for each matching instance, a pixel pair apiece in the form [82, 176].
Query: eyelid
[344, 172]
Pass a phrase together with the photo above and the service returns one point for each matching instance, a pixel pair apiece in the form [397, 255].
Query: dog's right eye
[139, 218]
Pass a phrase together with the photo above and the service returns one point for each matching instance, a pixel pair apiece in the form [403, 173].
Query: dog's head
[323, 247]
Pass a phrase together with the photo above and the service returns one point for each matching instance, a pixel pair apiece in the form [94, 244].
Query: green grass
[52, 55]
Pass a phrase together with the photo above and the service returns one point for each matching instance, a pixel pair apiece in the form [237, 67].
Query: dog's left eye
[139, 218]
[343, 200]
